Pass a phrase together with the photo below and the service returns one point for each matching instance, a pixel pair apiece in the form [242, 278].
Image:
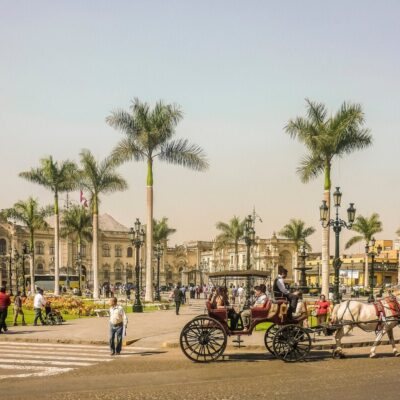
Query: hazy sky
[240, 71]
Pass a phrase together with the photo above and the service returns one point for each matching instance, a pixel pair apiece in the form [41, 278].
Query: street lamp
[303, 281]
[249, 239]
[158, 252]
[337, 224]
[137, 236]
[16, 259]
[372, 252]
[24, 253]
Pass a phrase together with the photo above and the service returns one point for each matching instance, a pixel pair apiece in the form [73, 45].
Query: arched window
[106, 250]
[106, 274]
[129, 273]
[39, 248]
[3, 246]
[118, 251]
[129, 252]
[118, 274]
[51, 249]
[39, 269]
[3, 272]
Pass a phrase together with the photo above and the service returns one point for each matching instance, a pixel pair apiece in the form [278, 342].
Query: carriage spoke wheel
[291, 343]
[269, 337]
[203, 339]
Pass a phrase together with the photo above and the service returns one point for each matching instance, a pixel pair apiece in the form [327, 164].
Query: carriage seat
[261, 312]
[220, 314]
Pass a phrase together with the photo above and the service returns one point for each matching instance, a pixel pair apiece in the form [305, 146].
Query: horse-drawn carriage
[204, 338]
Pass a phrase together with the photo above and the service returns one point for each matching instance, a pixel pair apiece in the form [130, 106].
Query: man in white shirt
[118, 323]
[38, 302]
[259, 301]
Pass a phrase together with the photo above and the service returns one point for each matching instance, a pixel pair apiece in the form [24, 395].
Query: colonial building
[188, 263]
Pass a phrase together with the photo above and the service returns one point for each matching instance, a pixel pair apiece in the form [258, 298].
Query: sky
[239, 70]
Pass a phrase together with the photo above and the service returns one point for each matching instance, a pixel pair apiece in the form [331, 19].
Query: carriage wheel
[269, 337]
[203, 339]
[291, 343]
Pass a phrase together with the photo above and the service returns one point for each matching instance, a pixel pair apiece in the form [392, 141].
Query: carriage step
[238, 342]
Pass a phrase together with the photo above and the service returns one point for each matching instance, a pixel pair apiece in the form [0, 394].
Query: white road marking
[40, 371]
[59, 363]
[61, 352]
[55, 356]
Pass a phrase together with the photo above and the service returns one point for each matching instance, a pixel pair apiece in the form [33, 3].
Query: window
[39, 269]
[118, 274]
[3, 246]
[129, 274]
[129, 252]
[3, 272]
[83, 250]
[231, 259]
[39, 248]
[51, 249]
[243, 259]
[106, 250]
[106, 274]
[118, 251]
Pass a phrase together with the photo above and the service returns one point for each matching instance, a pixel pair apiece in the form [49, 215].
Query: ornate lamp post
[337, 224]
[16, 259]
[249, 239]
[10, 271]
[79, 266]
[158, 252]
[137, 237]
[372, 252]
[303, 280]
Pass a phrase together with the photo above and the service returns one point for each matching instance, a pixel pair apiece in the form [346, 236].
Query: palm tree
[30, 214]
[326, 138]
[231, 233]
[161, 230]
[367, 228]
[148, 135]
[296, 231]
[98, 178]
[57, 177]
[77, 222]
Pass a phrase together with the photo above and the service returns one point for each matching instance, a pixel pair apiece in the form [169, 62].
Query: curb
[174, 345]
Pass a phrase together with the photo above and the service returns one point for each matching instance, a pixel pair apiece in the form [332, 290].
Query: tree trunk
[32, 263]
[95, 251]
[56, 247]
[325, 236]
[366, 272]
[149, 233]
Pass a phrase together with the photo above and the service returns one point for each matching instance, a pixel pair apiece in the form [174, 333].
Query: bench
[102, 312]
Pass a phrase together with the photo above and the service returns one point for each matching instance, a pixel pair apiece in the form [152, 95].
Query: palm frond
[353, 240]
[311, 166]
[180, 152]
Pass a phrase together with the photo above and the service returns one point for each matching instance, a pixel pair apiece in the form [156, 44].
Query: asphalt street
[167, 374]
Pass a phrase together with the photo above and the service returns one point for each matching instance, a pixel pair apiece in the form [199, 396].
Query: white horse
[352, 313]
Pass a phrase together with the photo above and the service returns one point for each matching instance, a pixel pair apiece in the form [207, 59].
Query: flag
[83, 200]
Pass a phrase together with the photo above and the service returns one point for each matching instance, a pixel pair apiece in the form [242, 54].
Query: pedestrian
[178, 297]
[183, 297]
[321, 310]
[118, 324]
[38, 302]
[18, 301]
[4, 303]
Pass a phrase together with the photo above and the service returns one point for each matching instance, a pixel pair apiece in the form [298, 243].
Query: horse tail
[334, 315]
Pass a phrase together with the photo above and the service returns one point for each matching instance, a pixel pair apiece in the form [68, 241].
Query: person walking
[118, 324]
[178, 296]
[18, 301]
[38, 302]
[4, 303]
[321, 310]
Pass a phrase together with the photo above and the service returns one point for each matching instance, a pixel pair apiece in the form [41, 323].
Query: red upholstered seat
[220, 314]
[261, 312]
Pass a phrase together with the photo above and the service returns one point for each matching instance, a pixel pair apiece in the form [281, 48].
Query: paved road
[242, 375]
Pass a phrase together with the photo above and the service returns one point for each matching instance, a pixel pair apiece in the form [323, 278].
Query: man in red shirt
[4, 303]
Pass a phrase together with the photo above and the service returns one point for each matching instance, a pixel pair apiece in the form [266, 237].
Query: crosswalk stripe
[55, 345]
[59, 358]
[47, 362]
[40, 371]
[63, 352]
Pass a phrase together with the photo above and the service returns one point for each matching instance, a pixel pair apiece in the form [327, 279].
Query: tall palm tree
[297, 231]
[57, 177]
[161, 230]
[231, 233]
[98, 178]
[76, 222]
[31, 215]
[367, 227]
[148, 136]
[326, 138]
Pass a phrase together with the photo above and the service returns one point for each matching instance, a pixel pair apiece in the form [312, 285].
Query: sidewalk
[158, 329]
